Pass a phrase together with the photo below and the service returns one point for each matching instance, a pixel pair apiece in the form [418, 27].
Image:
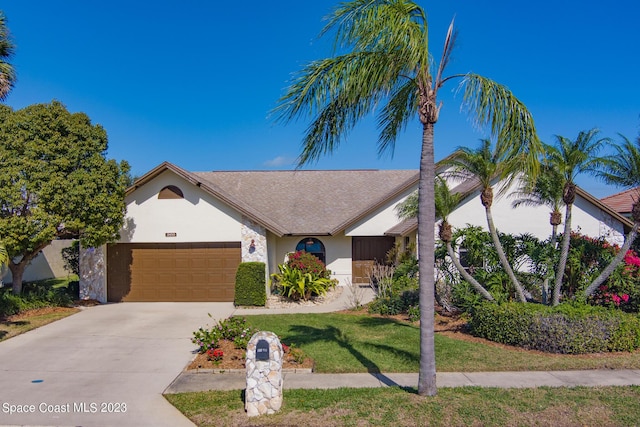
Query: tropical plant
[296, 284]
[446, 202]
[485, 164]
[544, 190]
[622, 169]
[383, 63]
[7, 72]
[571, 158]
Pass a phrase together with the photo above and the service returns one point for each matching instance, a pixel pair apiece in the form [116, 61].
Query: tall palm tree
[485, 165]
[446, 202]
[545, 190]
[383, 59]
[622, 169]
[7, 73]
[571, 158]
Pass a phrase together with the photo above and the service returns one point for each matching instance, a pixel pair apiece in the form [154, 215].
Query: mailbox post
[263, 394]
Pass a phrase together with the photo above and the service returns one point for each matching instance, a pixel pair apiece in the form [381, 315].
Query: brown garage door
[172, 271]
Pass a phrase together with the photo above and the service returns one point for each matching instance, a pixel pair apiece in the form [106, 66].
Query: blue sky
[192, 82]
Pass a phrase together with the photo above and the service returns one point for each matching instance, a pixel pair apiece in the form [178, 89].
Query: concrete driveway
[105, 366]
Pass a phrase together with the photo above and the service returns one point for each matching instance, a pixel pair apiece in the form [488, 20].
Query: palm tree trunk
[564, 253]
[631, 237]
[503, 258]
[426, 257]
[466, 276]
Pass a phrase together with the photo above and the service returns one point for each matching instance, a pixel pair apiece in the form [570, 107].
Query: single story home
[185, 233]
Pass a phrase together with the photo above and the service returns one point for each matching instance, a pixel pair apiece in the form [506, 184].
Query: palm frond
[395, 116]
[7, 72]
[494, 105]
[623, 168]
[409, 207]
[371, 25]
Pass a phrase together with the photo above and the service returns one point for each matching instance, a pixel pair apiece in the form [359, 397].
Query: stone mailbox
[264, 374]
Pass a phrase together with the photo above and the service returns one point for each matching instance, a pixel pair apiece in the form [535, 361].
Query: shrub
[302, 277]
[308, 263]
[232, 329]
[566, 329]
[34, 295]
[71, 258]
[395, 304]
[250, 284]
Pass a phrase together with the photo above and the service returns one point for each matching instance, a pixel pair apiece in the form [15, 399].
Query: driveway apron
[105, 366]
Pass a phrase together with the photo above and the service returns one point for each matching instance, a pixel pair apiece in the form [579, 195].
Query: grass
[20, 324]
[341, 343]
[37, 313]
[605, 406]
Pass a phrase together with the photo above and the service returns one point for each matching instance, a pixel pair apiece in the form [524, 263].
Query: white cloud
[279, 161]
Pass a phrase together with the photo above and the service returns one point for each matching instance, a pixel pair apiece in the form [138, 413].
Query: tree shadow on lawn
[303, 334]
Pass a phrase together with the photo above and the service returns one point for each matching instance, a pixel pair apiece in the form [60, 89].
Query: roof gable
[298, 202]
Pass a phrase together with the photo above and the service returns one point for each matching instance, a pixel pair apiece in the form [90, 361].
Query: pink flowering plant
[622, 289]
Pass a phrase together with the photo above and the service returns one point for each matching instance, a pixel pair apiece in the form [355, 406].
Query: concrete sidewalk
[189, 382]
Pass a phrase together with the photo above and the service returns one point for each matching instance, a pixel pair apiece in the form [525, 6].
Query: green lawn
[580, 406]
[362, 343]
[21, 324]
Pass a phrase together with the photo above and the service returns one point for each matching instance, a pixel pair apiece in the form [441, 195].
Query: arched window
[312, 246]
[170, 192]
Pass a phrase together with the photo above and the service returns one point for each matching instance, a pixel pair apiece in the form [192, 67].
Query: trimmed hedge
[565, 329]
[251, 284]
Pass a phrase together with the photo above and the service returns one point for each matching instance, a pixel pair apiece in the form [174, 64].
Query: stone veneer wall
[250, 231]
[263, 394]
[93, 274]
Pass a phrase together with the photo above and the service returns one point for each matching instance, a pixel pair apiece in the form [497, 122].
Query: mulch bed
[234, 359]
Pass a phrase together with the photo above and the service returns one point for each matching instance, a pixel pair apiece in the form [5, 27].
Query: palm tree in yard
[622, 169]
[7, 73]
[485, 165]
[571, 158]
[446, 202]
[383, 60]
[545, 190]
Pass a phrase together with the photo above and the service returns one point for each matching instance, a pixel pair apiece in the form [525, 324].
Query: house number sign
[262, 350]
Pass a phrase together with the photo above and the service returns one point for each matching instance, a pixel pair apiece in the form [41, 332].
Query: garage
[181, 272]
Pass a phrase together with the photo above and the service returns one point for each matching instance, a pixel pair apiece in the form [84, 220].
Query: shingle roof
[622, 202]
[298, 202]
[312, 202]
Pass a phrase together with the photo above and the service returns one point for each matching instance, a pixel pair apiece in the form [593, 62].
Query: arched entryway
[312, 246]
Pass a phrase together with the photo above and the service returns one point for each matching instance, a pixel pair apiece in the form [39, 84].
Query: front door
[366, 252]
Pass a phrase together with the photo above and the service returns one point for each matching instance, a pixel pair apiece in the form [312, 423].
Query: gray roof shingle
[311, 202]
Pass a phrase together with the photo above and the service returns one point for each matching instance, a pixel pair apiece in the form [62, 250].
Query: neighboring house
[47, 265]
[623, 202]
[186, 232]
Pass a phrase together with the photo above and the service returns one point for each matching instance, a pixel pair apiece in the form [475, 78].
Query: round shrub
[565, 329]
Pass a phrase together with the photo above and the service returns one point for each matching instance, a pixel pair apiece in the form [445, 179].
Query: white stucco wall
[379, 221]
[337, 251]
[590, 220]
[198, 217]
